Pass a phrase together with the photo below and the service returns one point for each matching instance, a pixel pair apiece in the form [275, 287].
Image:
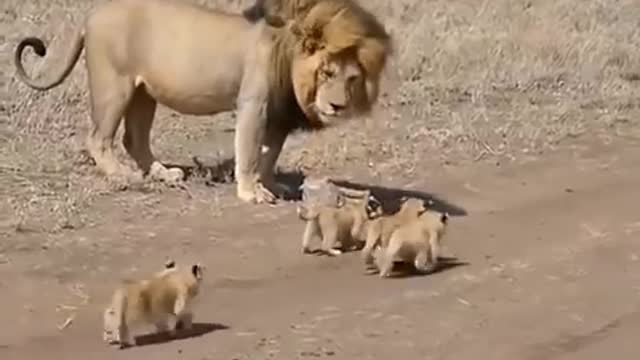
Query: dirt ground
[518, 116]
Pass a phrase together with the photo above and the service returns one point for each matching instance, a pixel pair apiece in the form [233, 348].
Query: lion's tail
[41, 50]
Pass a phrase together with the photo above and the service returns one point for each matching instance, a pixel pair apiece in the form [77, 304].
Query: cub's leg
[311, 230]
[185, 321]
[126, 340]
[421, 261]
[138, 122]
[329, 239]
[162, 324]
[370, 243]
[434, 244]
[183, 313]
[358, 224]
[386, 258]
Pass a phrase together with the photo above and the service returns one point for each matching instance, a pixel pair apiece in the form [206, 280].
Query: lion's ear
[310, 38]
[274, 20]
[294, 27]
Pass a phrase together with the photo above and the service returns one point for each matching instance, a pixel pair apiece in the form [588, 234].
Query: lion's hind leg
[110, 95]
[138, 122]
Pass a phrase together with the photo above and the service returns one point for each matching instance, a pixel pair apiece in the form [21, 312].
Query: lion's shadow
[197, 329]
[391, 197]
[223, 172]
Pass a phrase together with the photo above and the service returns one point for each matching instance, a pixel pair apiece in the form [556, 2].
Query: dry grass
[470, 80]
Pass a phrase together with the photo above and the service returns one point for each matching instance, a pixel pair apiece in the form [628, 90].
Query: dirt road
[553, 272]
[550, 236]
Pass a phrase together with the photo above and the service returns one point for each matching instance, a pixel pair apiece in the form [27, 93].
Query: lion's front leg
[250, 132]
[273, 143]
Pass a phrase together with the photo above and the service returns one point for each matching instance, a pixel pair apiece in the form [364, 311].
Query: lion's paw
[264, 195]
[257, 194]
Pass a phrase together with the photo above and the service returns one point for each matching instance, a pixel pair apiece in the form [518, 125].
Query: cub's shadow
[198, 329]
[223, 172]
[407, 270]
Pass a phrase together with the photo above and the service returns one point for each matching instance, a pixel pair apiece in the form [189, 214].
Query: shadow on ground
[223, 172]
[198, 329]
[406, 270]
[390, 197]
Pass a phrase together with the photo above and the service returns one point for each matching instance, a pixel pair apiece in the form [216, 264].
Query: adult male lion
[316, 71]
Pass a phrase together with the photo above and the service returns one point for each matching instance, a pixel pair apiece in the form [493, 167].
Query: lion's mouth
[324, 114]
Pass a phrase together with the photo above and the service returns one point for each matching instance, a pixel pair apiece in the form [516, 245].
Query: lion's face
[330, 88]
[337, 54]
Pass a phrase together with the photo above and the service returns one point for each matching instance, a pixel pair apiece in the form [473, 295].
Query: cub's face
[413, 206]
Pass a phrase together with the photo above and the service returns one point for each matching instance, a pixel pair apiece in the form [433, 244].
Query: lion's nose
[336, 107]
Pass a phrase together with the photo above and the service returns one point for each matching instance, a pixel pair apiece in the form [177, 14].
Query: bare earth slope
[553, 272]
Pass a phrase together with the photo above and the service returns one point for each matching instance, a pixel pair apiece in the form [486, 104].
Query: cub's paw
[170, 176]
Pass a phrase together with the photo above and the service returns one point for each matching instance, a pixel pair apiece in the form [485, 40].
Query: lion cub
[167, 293]
[344, 222]
[380, 229]
[417, 241]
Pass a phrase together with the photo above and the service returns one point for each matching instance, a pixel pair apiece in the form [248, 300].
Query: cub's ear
[170, 264]
[374, 207]
[426, 206]
[444, 217]
[198, 271]
[373, 201]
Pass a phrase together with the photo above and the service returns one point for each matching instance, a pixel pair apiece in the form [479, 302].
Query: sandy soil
[543, 177]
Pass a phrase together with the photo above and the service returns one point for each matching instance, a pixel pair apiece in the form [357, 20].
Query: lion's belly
[187, 61]
[194, 92]
[193, 102]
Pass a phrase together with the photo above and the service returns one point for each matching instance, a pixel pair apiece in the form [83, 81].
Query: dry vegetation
[470, 81]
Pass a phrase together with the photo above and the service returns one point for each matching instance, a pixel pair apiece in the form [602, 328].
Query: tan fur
[344, 223]
[165, 294]
[417, 241]
[314, 73]
[380, 229]
[350, 27]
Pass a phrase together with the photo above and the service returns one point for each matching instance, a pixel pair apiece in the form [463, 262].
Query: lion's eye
[352, 78]
[327, 73]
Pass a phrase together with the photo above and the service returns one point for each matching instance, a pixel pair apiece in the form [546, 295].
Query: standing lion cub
[416, 241]
[381, 228]
[343, 222]
[167, 293]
